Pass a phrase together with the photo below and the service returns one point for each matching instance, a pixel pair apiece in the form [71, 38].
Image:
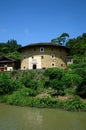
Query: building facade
[9, 64]
[43, 55]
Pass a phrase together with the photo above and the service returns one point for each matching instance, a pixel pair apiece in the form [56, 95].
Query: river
[25, 118]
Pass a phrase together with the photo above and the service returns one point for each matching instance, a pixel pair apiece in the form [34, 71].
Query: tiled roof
[42, 44]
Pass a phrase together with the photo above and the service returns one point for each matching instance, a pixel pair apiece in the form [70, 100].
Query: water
[25, 118]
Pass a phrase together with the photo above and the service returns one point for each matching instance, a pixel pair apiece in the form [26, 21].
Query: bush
[81, 87]
[6, 84]
[74, 104]
[54, 73]
[71, 80]
[28, 92]
[28, 81]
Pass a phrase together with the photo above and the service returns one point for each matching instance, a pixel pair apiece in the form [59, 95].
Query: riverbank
[69, 104]
[49, 88]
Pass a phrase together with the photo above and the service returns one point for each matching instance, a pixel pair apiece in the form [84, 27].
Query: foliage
[71, 80]
[61, 39]
[24, 88]
[54, 73]
[28, 81]
[28, 92]
[7, 85]
[77, 45]
[10, 49]
[15, 55]
[16, 98]
[81, 88]
[74, 104]
[61, 80]
[80, 70]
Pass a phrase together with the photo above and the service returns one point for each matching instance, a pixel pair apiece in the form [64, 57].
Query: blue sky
[32, 21]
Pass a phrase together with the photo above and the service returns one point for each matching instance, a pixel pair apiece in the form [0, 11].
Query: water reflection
[25, 118]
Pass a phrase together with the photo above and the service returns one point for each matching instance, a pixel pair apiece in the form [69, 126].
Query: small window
[52, 56]
[42, 57]
[24, 67]
[32, 57]
[52, 65]
[41, 49]
[62, 65]
[43, 68]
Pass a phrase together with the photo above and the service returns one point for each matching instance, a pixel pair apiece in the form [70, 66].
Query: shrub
[75, 104]
[81, 87]
[71, 80]
[5, 84]
[54, 73]
[28, 92]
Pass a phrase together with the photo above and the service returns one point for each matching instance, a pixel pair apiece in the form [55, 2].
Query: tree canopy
[77, 48]
[10, 49]
[61, 39]
[77, 45]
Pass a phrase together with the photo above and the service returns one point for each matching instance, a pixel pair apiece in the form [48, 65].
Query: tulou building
[43, 55]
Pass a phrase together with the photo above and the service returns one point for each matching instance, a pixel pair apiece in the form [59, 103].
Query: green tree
[77, 45]
[12, 45]
[61, 39]
[10, 49]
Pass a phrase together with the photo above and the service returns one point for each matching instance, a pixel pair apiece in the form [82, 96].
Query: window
[41, 49]
[24, 67]
[52, 56]
[52, 65]
[62, 65]
[42, 57]
[32, 57]
[43, 68]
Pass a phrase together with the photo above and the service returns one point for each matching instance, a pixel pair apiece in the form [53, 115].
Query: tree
[61, 39]
[12, 45]
[10, 49]
[64, 37]
[77, 45]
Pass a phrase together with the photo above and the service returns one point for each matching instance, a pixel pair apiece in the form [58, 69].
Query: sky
[33, 21]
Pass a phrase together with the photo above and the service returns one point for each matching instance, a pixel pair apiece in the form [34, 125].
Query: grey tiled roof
[42, 44]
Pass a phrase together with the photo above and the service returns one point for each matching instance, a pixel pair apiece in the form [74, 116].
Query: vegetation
[25, 88]
[61, 40]
[77, 48]
[53, 87]
[10, 49]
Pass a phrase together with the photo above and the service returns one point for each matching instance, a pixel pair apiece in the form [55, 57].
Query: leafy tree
[64, 37]
[15, 55]
[77, 45]
[10, 49]
[61, 39]
[12, 45]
